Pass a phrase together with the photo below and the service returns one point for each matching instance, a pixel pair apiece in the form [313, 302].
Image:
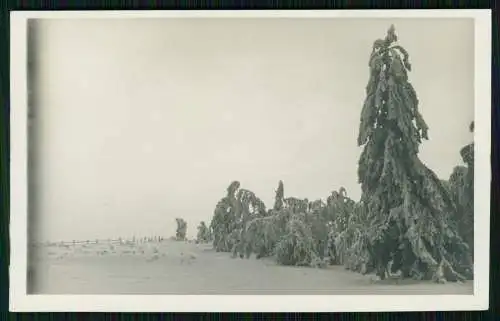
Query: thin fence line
[103, 241]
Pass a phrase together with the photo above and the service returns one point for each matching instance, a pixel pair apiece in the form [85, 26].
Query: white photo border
[20, 301]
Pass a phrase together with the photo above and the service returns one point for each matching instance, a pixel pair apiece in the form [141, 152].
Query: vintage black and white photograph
[253, 156]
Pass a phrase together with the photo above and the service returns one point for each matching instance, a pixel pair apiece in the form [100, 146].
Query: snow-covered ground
[171, 267]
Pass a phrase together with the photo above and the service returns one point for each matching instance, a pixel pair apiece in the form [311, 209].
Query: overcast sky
[140, 121]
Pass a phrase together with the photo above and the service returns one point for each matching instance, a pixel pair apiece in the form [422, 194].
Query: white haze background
[144, 120]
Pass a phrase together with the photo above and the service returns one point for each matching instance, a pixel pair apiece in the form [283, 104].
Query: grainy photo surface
[251, 156]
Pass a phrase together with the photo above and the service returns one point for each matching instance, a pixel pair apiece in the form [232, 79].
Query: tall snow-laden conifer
[408, 209]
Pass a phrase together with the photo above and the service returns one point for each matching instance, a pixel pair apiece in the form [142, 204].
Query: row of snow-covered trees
[406, 217]
[295, 231]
